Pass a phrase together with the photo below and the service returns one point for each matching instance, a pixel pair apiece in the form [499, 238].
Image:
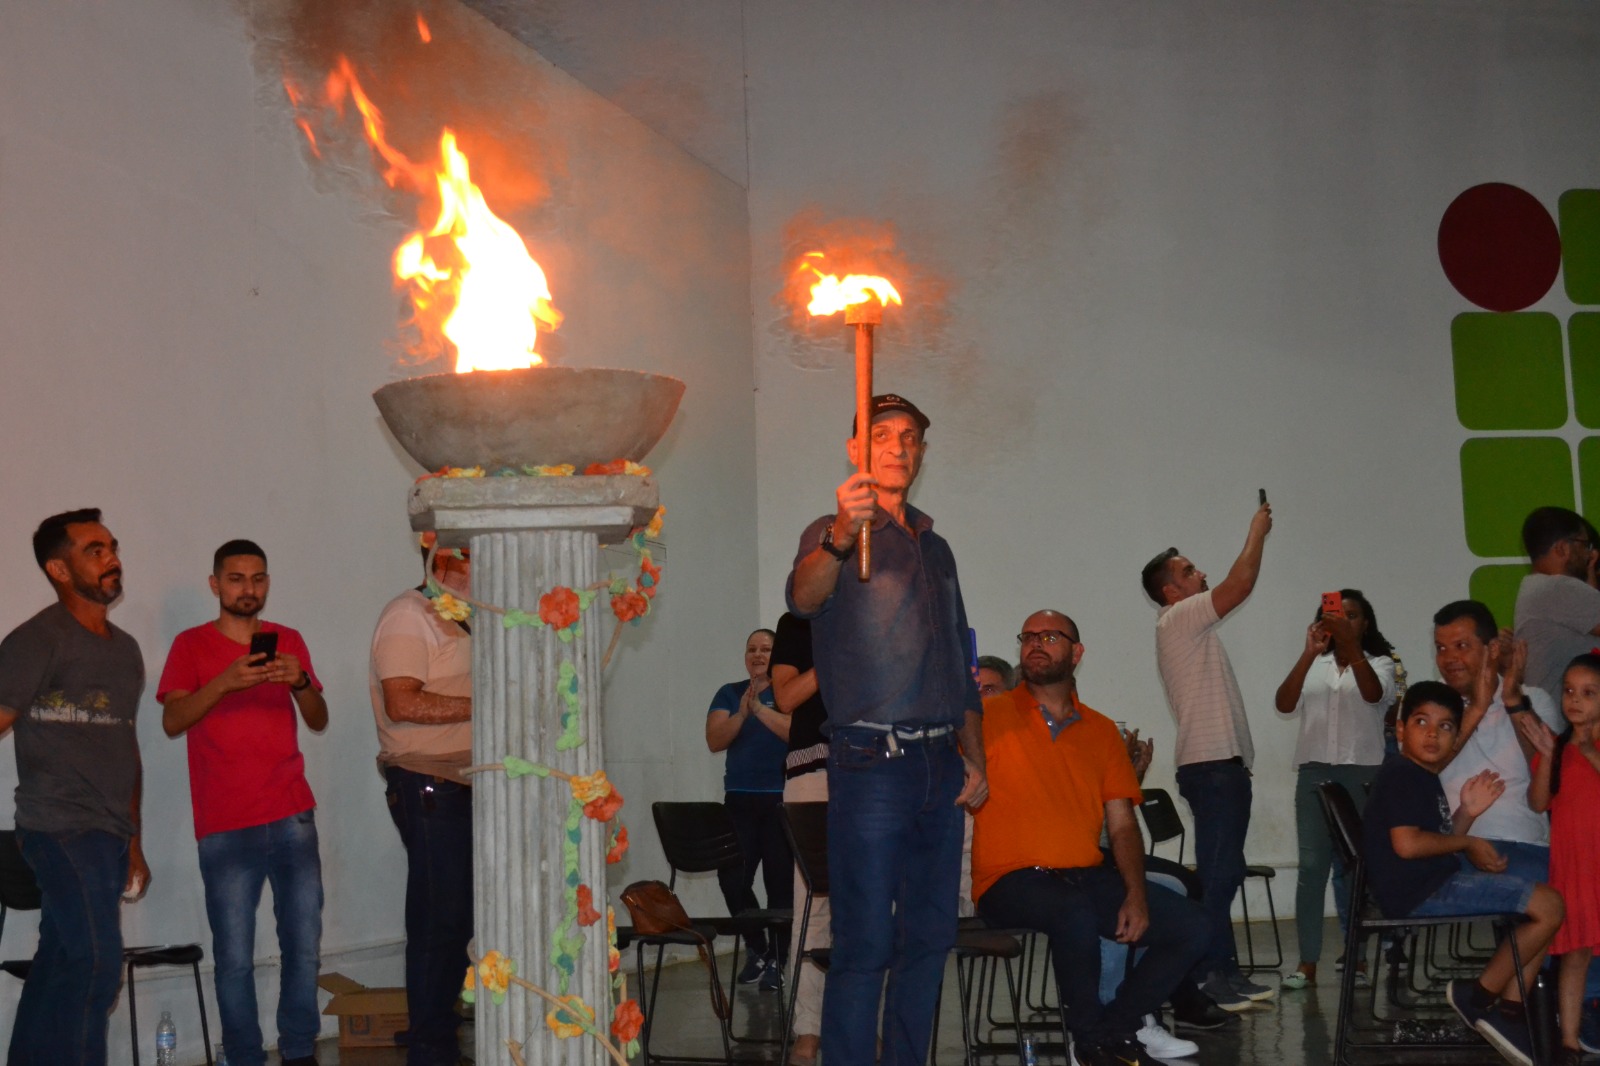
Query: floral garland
[596, 798]
[593, 795]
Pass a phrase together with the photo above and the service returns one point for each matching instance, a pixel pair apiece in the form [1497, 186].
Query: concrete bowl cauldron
[537, 416]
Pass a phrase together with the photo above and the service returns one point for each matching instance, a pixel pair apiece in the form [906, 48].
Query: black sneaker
[771, 979]
[754, 967]
[1193, 1009]
[1507, 1035]
[1462, 994]
[1116, 1053]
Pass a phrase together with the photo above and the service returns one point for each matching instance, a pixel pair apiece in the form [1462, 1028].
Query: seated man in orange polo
[1059, 773]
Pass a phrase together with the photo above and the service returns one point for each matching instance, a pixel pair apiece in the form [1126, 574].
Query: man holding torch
[905, 743]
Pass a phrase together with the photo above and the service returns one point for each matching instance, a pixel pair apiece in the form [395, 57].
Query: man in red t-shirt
[254, 815]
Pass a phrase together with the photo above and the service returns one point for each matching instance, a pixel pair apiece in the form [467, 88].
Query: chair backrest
[806, 826]
[697, 838]
[19, 891]
[1344, 821]
[1161, 819]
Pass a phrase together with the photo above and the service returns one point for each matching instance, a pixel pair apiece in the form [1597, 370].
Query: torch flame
[832, 294]
[468, 273]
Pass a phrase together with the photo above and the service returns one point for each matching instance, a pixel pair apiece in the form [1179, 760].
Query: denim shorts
[1475, 892]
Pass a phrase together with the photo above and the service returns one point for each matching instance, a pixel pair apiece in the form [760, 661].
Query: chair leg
[794, 982]
[133, 1016]
[1249, 942]
[205, 1029]
[1272, 914]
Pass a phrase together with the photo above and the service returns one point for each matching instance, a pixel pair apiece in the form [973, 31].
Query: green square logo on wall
[1579, 210]
[1508, 370]
[1583, 342]
[1495, 586]
[1502, 479]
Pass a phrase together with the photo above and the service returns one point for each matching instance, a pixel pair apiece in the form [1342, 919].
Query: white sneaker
[1162, 1044]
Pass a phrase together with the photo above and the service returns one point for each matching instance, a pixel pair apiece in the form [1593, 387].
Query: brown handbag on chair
[656, 910]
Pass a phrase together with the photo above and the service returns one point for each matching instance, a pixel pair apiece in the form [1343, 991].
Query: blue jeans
[234, 865]
[1075, 908]
[894, 870]
[434, 817]
[1472, 891]
[1531, 862]
[1114, 956]
[77, 971]
[1218, 794]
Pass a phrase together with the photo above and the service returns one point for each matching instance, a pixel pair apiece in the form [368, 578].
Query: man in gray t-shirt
[1558, 610]
[69, 684]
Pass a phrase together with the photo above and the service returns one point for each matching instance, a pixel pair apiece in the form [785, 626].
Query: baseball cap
[888, 401]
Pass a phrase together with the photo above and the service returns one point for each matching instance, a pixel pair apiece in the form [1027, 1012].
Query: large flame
[467, 272]
[832, 294]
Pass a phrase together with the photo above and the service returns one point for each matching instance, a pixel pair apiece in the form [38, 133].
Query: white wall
[1189, 251]
[193, 332]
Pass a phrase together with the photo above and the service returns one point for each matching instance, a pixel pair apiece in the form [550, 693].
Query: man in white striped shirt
[1213, 749]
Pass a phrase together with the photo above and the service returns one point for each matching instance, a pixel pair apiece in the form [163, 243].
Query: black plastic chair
[19, 890]
[698, 837]
[1163, 824]
[1367, 921]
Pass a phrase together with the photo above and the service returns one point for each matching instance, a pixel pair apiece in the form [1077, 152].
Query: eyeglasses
[1583, 542]
[1049, 638]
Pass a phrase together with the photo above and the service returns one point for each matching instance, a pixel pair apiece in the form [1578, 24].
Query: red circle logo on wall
[1499, 247]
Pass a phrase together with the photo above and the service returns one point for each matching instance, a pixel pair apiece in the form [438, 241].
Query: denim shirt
[893, 649]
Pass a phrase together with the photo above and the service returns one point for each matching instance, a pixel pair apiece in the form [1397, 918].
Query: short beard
[1048, 675]
[98, 593]
[237, 613]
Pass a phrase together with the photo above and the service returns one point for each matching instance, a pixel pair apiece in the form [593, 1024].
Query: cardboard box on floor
[368, 1017]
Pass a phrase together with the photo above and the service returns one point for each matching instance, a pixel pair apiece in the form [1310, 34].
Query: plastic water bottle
[166, 1041]
[1030, 1056]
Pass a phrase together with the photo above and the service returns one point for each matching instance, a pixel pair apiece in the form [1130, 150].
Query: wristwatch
[826, 543]
[302, 682]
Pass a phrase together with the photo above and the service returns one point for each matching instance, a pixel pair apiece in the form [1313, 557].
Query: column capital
[456, 508]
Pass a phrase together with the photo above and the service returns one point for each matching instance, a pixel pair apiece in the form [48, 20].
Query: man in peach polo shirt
[1059, 773]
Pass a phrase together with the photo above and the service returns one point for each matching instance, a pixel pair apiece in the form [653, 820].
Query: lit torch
[862, 298]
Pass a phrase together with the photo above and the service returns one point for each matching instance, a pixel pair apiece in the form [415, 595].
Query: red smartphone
[1333, 603]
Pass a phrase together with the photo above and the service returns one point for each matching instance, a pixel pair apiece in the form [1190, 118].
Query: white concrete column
[528, 536]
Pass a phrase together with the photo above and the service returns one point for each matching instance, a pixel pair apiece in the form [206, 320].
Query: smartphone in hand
[1333, 603]
[264, 643]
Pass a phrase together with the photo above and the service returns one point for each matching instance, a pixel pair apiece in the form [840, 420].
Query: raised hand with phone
[1338, 688]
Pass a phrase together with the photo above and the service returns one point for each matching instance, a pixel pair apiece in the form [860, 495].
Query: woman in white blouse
[1339, 687]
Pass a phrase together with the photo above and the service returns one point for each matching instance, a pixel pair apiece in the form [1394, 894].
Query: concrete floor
[1294, 1028]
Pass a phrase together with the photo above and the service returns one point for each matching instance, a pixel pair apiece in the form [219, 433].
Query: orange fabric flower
[605, 808]
[629, 605]
[569, 1019]
[495, 971]
[628, 1021]
[615, 466]
[587, 915]
[619, 846]
[558, 608]
[586, 788]
[653, 572]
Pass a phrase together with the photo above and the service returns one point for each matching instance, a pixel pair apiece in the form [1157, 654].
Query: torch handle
[864, 437]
